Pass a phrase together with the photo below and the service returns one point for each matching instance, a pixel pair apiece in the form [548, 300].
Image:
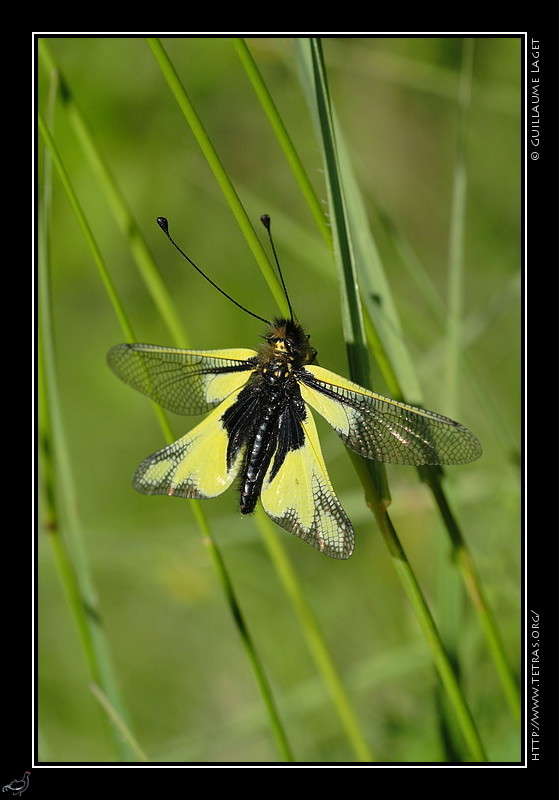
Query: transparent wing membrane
[384, 429]
[183, 381]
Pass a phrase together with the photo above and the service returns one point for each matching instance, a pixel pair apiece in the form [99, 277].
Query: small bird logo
[17, 787]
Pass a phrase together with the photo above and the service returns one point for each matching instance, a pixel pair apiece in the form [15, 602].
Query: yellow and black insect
[261, 429]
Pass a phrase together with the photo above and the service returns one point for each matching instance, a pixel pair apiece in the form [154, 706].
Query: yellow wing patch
[300, 498]
[329, 407]
[194, 466]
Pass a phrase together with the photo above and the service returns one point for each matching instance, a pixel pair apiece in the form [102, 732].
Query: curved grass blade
[262, 682]
[315, 641]
[325, 664]
[352, 317]
[60, 508]
[128, 225]
[283, 138]
[125, 732]
[175, 84]
[432, 477]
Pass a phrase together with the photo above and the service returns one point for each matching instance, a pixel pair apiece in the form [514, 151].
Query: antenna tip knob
[163, 224]
[265, 220]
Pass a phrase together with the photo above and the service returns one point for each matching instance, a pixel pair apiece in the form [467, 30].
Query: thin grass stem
[276, 725]
[183, 100]
[261, 680]
[462, 557]
[147, 267]
[68, 550]
[315, 641]
[368, 471]
[118, 721]
[283, 138]
[381, 352]
[325, 664]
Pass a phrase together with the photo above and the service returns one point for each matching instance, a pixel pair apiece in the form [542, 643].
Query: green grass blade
[60, 497]
[147, 267]
[454, 365]
[226, 582]
[119, 723]
[456, 240]
[449, 587]
[353, 324]
[96, 253]
[315, 641]
[283, 138]
[461, 555]
[399, 375]
[382, 322]
[276, 725]
[325, 664]
[175, 84]
[471, 580]
[352, 317]
[443, 663]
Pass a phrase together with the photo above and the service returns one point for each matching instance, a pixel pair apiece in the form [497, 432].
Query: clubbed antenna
[267, 222]
[164, 225]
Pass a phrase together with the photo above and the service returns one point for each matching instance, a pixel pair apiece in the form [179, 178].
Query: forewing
[297, 493]
[197, 465]
[183, 381]
[384, 429]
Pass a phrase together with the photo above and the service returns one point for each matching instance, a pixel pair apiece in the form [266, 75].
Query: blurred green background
[184, 676]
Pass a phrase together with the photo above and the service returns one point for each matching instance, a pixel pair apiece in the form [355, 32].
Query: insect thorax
[286, 349]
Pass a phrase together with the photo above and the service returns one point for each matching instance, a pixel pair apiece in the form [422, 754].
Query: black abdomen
[266, 410]
[260, 449]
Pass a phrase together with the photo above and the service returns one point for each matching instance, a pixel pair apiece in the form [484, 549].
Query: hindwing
[297, 493]
[197, 465]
